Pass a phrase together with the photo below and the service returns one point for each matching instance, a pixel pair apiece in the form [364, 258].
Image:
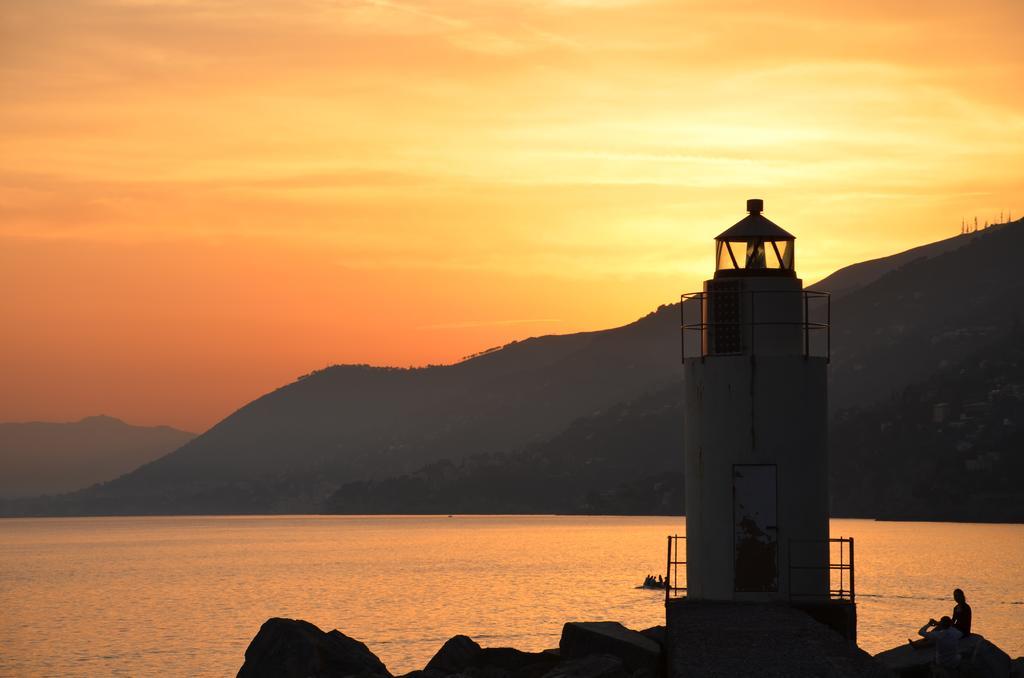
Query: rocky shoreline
[712, 641]
[290, 648]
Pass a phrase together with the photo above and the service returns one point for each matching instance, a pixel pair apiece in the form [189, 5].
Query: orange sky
[201, 200]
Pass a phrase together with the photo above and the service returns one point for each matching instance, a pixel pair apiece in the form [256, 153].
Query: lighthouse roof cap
[755, 225]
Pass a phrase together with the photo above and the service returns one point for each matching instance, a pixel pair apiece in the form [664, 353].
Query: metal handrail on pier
[673, 589]
[842, 590]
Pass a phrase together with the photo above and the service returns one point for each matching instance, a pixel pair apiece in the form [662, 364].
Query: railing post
[668, 571]
[842, 563]
[852, 593]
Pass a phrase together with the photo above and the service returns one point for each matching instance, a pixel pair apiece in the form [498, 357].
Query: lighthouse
[755, 361]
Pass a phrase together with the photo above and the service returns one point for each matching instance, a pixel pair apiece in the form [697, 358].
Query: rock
[907, 660]
[292, 648]
[591, 666]
[511, 659]
[656, 633]
[507, 662]
[516, 661]
[462, 655]
[978, 657]
[484, 672]
[458, 653]
[637, 652]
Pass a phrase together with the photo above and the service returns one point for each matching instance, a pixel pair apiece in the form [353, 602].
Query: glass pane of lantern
[755, 254]
[724, 260]
[786, 252]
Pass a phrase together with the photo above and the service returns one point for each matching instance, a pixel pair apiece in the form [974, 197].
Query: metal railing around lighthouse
[735, 329]
[839, 573]
[675, 587]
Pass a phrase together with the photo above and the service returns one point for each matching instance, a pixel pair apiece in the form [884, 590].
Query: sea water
[181, 596]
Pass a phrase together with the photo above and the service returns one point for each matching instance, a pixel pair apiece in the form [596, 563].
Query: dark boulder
[462, 655]
[639, 654]
[656, 633]
[458, 653]
[522, 664]
[978, 657]
[292, 648]
[591, 666]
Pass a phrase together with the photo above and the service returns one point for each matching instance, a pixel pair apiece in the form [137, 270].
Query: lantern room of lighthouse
[755, 354]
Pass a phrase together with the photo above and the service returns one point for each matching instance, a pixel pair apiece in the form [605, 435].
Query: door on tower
[756, 565]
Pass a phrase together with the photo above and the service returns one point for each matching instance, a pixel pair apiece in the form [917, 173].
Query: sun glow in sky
[201, 200]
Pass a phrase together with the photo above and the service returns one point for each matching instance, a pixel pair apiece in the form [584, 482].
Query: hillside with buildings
[929, 312]
[948, 448]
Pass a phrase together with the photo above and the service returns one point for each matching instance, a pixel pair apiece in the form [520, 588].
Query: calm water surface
[183, 596]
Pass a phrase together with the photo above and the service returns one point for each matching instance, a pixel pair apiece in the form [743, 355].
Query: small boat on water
[652, 582]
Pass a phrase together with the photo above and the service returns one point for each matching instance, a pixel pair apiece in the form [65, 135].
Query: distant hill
[344, 437]
[50, 458]
[288, 450]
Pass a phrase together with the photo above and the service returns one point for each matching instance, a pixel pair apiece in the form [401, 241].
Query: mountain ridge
[855, 276]
[294, 447]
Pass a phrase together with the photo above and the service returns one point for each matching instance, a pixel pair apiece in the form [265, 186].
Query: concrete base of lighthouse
[838, 615]
[755, 639]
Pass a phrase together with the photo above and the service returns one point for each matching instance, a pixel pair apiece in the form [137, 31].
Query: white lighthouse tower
[755, 354]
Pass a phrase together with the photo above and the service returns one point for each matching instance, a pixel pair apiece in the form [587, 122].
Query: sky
[202, 200]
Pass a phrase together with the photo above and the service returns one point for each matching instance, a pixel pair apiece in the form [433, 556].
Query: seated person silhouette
[961, 619]
[946, 640]
[961, 613]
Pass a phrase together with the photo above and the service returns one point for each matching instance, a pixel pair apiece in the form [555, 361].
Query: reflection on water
[183, 596]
